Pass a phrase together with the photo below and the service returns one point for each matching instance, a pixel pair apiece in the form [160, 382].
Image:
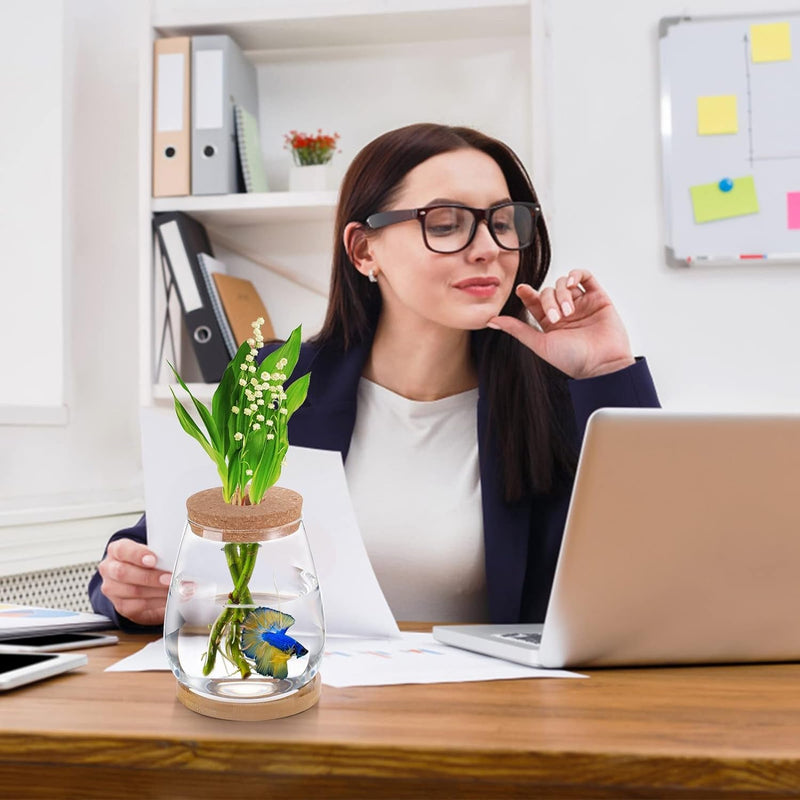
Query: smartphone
[52, 642]
[17, 669]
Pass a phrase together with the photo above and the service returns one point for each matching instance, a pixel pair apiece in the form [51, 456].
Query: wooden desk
[683, 732]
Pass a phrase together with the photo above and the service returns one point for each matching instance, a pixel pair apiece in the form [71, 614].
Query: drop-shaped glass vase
[244, 629]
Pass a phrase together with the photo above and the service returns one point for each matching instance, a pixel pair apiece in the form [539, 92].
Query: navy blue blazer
[521, 541]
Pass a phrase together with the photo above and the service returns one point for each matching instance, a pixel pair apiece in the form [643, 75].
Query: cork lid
[278, 514]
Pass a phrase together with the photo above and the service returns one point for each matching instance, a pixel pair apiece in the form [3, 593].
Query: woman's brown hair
[527, 399]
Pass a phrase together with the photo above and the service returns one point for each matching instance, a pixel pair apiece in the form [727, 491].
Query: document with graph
[20, 620]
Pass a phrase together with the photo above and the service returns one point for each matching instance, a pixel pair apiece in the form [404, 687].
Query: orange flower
[310, 149]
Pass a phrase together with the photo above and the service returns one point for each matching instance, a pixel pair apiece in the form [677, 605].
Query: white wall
[31, 214]
[86, 471]
[715, 338]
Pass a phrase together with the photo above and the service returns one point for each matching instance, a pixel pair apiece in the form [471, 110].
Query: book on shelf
[250, 160]
[210, 266]
[243, 306]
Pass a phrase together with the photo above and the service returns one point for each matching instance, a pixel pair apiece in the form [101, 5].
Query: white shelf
[233, 210]
[260, 26]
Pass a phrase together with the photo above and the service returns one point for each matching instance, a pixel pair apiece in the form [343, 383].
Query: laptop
[681, 546]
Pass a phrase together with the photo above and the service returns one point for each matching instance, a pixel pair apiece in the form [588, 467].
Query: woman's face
[457, 290]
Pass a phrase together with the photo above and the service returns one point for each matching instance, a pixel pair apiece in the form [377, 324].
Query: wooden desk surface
[700, 732]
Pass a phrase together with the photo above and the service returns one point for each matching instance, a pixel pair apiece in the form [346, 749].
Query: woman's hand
[581, 333]
[131, 582]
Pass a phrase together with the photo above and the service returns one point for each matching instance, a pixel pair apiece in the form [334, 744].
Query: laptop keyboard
[533, 639]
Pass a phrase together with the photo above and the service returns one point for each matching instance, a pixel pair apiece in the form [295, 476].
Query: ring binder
[221, 79]
[181, 240]
[171, 118]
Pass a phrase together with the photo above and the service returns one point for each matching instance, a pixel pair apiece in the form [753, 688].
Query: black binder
[181, 239]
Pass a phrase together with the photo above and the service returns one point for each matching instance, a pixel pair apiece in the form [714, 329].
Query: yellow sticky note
[770, 42]
[717, 114]
[710, 201]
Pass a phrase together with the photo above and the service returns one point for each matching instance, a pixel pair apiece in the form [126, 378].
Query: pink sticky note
[793, 209]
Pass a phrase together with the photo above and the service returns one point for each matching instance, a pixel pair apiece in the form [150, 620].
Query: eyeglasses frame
[382, 219]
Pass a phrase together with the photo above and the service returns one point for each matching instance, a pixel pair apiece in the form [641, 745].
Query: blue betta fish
[264, 640]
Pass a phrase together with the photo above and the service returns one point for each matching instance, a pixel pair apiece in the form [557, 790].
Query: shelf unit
[234, 210]
[359, 67]
[259, 26]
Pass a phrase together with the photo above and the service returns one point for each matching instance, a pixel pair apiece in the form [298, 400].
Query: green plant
[246, 436]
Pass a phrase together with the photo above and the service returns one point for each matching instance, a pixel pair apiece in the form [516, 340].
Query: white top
[412, 469]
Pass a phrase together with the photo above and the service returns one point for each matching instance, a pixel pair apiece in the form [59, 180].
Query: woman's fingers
[564, 297]
[137, 590]
[142, 612]
[131, 552]
[546, 306]
[115, 590]
[532, 300]
[531, 337]
[143, 605]
[124, 572]
[552, 304]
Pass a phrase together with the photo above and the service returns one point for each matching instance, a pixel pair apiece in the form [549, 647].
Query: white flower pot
[313, 178]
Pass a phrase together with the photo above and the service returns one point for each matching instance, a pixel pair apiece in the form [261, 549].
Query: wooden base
[252, 711]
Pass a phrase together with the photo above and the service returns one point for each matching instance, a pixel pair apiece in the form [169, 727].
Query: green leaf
[234, 475]
[265, 475]
[261, 470]
[205, 414]
[237, 423]
[296, 394]
[254, 448]
[290, 350]
[226, 394]
[191, 427]
[277, 464]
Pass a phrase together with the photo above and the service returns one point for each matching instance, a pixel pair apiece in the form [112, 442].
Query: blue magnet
[725, 185]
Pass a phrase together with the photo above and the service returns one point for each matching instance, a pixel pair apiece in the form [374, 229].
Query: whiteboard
[730, 125]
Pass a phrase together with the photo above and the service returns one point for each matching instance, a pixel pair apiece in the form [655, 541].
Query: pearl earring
[371, 276]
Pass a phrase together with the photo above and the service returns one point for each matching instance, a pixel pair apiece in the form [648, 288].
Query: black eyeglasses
[450, 228]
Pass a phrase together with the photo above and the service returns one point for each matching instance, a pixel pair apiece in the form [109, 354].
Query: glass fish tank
[244, 628]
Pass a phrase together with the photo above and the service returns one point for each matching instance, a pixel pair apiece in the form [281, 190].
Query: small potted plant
[311, 154]
[244, 629]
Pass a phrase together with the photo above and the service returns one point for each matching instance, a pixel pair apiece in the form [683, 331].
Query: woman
[436, 322]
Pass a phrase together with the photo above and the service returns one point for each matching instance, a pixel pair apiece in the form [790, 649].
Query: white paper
[151, 658]
[175, 467]
[410, 658]
[416, 658]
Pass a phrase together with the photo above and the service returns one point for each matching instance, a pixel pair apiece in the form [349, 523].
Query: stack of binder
[198, 83]
[218, 309]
